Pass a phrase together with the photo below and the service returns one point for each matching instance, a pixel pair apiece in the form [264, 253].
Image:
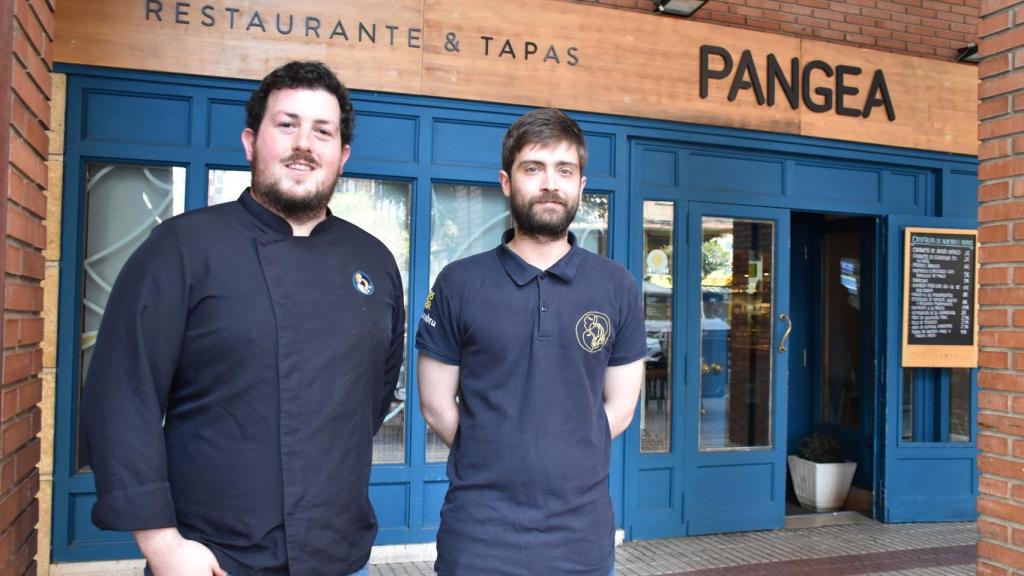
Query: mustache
[549, 197]
[302, 157]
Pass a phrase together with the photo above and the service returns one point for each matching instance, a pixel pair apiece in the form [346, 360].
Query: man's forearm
[618, 418]
[443, 420]
[157, 539]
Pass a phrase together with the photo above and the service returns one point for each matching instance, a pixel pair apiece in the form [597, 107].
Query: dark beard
[301, 209]
[538, 227]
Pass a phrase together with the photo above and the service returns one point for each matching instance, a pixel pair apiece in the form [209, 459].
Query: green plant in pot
[821, 476]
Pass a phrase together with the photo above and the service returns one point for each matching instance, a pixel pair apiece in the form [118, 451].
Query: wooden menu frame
[924, 343]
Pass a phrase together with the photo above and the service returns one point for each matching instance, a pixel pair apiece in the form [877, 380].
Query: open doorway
[833, 368]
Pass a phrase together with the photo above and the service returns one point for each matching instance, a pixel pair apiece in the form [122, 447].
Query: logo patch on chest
[362, 282]
[593, 330]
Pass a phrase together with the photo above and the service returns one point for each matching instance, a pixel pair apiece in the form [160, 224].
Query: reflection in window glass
[468, 219]
[959, 405]
[591, 224]
[736, 333]
[907, 413]
[122, 204]
[658, 289]
[226, 185]
[936, 405]
[381, 207]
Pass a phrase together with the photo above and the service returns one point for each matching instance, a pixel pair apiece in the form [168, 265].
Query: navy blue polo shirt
[529, 465]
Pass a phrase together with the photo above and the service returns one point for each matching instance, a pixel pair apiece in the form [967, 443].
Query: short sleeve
[630, 344]
[438, 333]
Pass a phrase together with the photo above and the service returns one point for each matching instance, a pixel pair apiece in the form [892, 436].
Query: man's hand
[169, 554]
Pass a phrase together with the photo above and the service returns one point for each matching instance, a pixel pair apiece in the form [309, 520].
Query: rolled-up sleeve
[128, 383]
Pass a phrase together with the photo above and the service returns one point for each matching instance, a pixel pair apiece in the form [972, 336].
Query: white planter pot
[821, 487]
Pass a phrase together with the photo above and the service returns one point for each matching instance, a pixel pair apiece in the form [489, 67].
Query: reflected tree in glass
[658, 292]
[737, 288]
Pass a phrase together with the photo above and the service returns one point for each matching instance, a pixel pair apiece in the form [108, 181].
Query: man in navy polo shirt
[542, 343]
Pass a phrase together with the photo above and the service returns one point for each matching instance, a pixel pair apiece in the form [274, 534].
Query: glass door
[737, 329]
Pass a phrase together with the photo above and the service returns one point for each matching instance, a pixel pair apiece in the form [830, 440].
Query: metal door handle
[785, 335]
[713, 368]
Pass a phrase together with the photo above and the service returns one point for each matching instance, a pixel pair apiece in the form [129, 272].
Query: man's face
[544, 189]
[297, 155]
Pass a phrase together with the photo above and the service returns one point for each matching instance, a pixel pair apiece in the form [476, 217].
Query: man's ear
[346, 151]
[248, 140]
[506, 183]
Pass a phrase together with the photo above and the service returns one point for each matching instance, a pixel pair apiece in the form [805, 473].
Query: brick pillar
[1001, 298]
[26, 34]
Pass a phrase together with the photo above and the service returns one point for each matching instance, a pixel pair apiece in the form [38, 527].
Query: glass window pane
[591, 224]
[382, 208]
[736, 351]
[907, 412]
[936, 405]
[467, 219]
[122, 204]
[226, 185]
[658, 292]
[959, 405]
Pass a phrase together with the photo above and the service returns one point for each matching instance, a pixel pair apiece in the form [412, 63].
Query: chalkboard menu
[939, 297]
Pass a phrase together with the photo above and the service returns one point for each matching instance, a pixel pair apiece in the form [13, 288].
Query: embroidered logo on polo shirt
[430, 300]
[362, 282]
[593, 330]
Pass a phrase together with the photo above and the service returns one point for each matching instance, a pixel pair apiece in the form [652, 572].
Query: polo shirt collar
[521, 272]
[270, 221]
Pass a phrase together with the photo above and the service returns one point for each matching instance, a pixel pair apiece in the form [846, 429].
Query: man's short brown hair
[546, 126]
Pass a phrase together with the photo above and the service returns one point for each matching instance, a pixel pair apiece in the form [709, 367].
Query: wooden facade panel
[230, 42]
[629, 64]
[935, 103]
[543, 53]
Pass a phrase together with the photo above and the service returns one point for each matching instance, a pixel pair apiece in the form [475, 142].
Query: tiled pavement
[943, 549]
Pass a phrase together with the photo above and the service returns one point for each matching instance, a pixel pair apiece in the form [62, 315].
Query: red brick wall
[1001, 399]
[26, 33]
[928, 28]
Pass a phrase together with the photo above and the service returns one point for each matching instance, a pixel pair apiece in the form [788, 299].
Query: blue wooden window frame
[933, 184]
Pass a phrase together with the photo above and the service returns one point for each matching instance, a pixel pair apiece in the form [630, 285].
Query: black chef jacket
[272, 360]
[528, 469]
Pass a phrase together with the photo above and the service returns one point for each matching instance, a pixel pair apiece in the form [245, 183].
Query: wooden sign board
[544, 53]
[940, 304]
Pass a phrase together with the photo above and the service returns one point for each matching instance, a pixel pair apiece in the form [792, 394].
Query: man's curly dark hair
[309, 75]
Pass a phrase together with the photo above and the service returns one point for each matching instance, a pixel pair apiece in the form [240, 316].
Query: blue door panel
[601, 157]
[922, 481]
[225, 125]
[745, 176]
